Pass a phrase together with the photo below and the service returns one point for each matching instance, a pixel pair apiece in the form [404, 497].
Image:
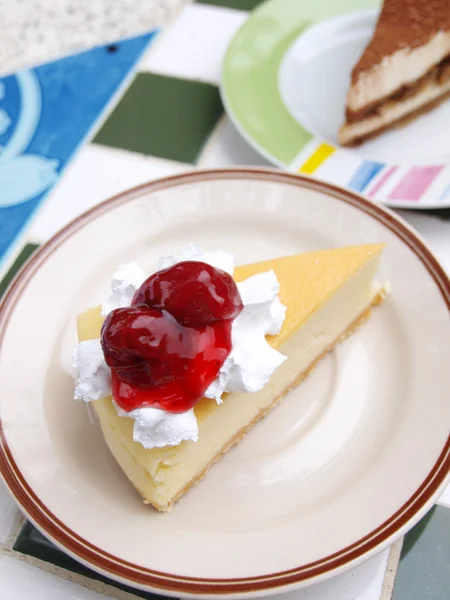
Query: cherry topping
[168, 347]
[195, 293]
[134, 334]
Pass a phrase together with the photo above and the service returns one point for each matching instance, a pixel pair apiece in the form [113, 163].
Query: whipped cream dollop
[94, 375]
[248, 367]
[252, 359]
[125, 281]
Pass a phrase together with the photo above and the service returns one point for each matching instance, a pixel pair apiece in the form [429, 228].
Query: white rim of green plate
[252, 100]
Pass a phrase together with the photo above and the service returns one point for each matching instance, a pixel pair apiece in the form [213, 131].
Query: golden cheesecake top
[306, 281]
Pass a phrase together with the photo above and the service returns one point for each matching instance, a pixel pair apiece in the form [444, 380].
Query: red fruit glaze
[168, 347]
[195, 293]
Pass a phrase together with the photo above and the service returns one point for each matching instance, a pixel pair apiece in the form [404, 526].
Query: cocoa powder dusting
[403, 24]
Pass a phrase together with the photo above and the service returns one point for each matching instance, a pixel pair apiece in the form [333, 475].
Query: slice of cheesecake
[403, 72]
[327, 294]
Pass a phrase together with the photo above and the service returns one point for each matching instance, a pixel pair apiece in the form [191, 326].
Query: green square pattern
[24, 254]
[236, 4]
[424, 569]
[163, 116]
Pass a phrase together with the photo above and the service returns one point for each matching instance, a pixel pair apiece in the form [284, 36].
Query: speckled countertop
[34, 31]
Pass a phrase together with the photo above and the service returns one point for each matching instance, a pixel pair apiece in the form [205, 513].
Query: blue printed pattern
[45, 114]
[445, 194]
[364, 175]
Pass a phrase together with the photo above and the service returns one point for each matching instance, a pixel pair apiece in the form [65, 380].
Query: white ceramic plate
[284, 84]
[347, 463]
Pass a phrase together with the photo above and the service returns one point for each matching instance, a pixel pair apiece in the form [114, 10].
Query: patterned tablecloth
[78, 130]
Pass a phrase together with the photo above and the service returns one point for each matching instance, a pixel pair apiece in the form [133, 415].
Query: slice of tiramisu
[404, 71]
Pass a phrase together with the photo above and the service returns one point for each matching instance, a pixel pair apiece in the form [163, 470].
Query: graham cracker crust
[360, 319]
[398, 122]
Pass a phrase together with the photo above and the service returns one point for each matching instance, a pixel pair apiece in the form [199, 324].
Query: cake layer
[411, 37]
[440, 75]
[395, 112]
[325, 298]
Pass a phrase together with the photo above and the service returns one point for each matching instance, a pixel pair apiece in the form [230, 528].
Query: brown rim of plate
[141, 577]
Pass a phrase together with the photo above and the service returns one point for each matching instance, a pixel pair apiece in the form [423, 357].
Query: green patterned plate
[284, 83]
